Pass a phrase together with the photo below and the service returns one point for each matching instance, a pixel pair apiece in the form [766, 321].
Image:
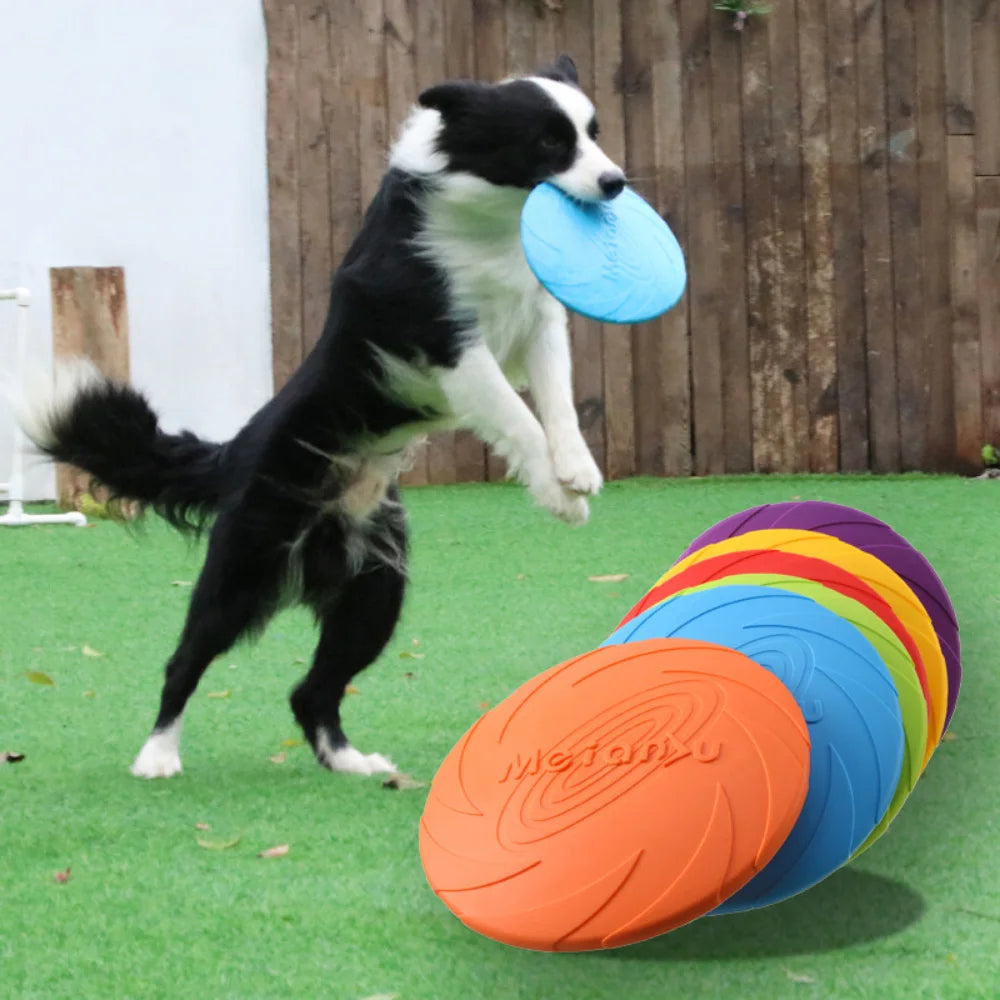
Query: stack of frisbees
[756, 721]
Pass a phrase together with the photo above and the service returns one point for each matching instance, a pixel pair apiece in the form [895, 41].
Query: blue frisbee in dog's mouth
[615, 261]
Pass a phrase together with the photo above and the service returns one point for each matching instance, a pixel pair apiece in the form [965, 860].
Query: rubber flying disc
[616, 796]
[615, 261]
[869, 569]
[724, 567]
[872, 535]
[849, 703]
[892, 653]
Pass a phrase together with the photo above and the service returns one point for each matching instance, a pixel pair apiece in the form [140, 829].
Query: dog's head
[517, 133]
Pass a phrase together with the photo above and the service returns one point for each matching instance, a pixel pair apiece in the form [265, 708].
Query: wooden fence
[833, 173]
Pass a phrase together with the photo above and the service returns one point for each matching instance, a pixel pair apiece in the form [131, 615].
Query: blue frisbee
[615, 261]
[849, 702]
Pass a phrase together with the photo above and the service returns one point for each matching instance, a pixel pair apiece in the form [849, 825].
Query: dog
[435, 321]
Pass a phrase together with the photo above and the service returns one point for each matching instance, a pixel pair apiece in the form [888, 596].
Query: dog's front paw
[574, 466]
[568, 505]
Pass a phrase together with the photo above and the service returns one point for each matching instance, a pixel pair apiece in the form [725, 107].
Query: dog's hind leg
[237, 591]
[357, 619]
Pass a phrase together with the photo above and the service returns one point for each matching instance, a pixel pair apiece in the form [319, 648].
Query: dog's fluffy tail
[109, 429]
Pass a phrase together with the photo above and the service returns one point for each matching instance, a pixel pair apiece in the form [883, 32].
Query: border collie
[434, 319]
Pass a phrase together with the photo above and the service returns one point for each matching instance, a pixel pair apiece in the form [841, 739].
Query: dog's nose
[611, 183]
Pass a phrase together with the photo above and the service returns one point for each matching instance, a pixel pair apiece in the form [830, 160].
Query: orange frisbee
[616, 796]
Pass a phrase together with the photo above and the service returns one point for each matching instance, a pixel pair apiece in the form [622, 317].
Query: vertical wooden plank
[883, 402]
[964, 302]
[761, 263]
[848, 276]
[654, 136]
[939, 418]
[283, 185]
[986, 81]
[617, 340]
[789, 405]
[704, 274]
[460, 62]
[959, 100]
[364, 58]
[727, 147]
[314, 67]
[89, 319]
[818, 240]
[904, 210]
[988, 287]
[491, 39]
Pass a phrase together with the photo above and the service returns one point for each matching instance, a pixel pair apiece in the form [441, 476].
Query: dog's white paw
[159, 757]
[567, 505]
[349, 760]
[574, 466]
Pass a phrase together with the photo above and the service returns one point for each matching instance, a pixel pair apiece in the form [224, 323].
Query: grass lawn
[499, 592]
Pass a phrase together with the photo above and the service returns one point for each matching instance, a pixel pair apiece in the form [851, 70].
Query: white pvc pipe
[15, 516]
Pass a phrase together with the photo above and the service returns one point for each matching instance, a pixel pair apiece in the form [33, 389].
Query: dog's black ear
[449, 97]
[563, 70]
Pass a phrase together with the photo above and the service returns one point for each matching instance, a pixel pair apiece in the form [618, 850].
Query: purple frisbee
[871, 535]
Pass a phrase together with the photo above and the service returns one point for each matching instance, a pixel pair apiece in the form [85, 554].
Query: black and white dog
[434, 319]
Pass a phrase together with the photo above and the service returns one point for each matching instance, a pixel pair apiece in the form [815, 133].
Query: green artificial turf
[500, 591]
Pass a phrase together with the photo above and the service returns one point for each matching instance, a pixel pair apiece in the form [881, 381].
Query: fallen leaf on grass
[409, 675]
[407, 654]
[11, 757]
[220, 694]
[274, 852]
[382, 996]
[484, 705]
[39, 677]
[401, 782]
[291, 743]
[948, 737]
[279, 758]
[799, 977]
[181, 583]
[203, 826]
[609, 578]
[219, 845]
[352, 689]
[89, 650]
[90, 694]
[62, 877]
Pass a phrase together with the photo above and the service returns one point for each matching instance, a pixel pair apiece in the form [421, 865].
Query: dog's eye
[551, 142]
[593, 129]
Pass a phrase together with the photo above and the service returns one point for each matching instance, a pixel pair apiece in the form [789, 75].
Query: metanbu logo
[663, 752]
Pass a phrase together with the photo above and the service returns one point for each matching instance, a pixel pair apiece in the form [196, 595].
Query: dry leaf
[416, 642]
[275, 852]
[203, 826]
[279, 758]
[484, 705]
[298, 659]
[520, 576]
[948, 737]
[90, 694]
[11, 757]
[89, 650]
[62, 877]
[219, 845]
[799, 977]
[181, 583]
[220, 694]
[409, 675]
[291, 743]
[39, 677]
[609, 578]
[401, 782]
[352, 689]
[407, 654]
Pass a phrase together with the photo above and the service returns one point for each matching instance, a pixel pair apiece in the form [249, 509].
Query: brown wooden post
[89, 319]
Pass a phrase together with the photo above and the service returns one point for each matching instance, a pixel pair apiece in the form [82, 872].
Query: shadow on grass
[851, 907]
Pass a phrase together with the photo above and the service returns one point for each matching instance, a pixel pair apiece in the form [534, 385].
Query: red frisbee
[791, 564]
[616, 796]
